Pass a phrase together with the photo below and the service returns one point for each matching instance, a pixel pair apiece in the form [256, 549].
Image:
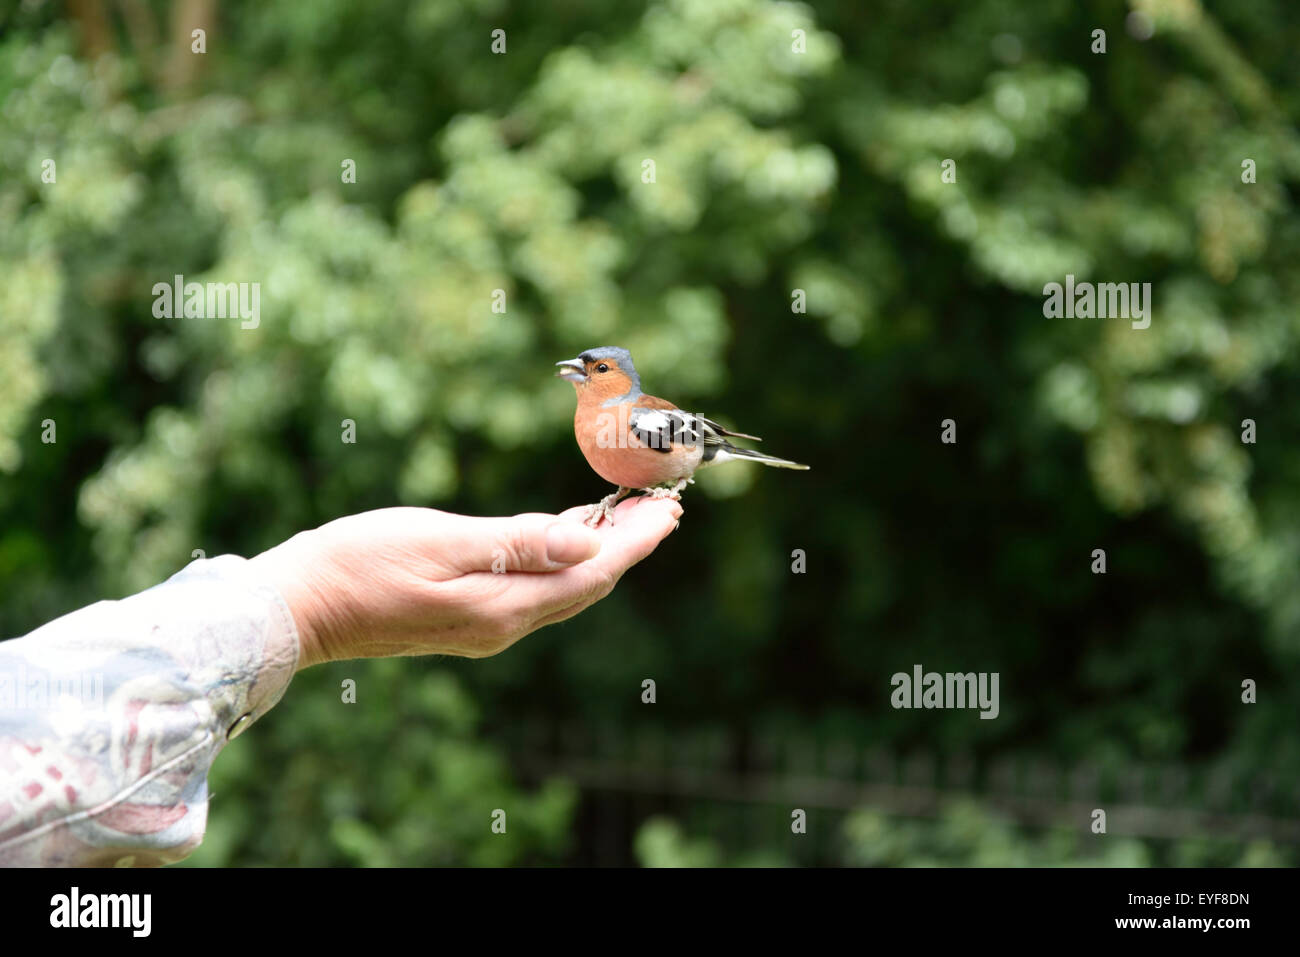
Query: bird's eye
[602, 368]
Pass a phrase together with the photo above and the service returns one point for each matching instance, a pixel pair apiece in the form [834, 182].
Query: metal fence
[738, 781]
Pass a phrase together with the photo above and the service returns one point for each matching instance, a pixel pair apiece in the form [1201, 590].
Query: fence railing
[1222, 801]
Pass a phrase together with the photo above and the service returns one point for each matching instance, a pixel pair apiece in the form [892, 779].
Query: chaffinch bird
[637, 441]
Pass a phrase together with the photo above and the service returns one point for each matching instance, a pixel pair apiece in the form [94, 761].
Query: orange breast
[619, 457]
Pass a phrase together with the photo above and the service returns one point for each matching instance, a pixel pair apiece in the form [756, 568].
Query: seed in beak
[572, 369]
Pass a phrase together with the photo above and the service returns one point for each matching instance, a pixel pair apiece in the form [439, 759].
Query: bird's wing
[663, 426]
[661, 429]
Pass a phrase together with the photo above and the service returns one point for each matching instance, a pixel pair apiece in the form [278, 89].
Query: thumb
[527, 543]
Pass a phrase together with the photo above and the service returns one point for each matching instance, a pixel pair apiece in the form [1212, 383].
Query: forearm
[111, 717]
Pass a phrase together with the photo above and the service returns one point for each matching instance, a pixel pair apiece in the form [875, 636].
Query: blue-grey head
[607, 371]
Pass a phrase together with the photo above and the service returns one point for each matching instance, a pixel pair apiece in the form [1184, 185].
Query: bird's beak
[572, 369]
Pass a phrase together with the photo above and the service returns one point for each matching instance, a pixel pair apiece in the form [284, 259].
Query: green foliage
[968, 835]
[661, 843]
[774, 171]
[390, 786]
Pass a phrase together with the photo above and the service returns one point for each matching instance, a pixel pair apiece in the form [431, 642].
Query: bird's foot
[675, 493]
[604, 509]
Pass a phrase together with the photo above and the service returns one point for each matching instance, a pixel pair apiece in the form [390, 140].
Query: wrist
[288, 568]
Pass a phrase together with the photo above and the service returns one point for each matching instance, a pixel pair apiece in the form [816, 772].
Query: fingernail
[567, 543]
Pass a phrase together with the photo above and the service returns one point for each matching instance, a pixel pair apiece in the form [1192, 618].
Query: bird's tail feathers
[752, 456]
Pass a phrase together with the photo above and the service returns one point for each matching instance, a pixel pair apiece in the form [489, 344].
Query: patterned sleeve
[110, 717]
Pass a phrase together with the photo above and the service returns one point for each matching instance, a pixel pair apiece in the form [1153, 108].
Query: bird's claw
[604, 509]
[674, 493]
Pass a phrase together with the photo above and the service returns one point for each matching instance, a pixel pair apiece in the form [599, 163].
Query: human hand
[417, 581]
